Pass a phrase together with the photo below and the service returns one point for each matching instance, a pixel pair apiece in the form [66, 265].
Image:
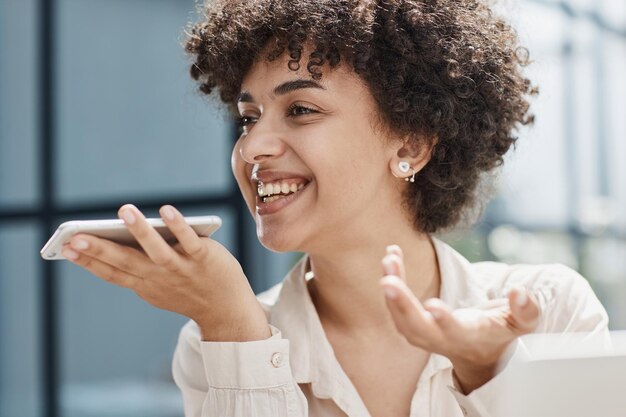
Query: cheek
[356, 178]
[343, 179]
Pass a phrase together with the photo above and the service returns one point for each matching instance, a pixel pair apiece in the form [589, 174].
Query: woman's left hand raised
[474, 339]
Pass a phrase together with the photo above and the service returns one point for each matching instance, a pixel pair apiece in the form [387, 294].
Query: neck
[345, 288]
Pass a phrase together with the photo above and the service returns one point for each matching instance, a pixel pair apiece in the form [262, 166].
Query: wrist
[245, 329]
[468, 377]
[235, 334]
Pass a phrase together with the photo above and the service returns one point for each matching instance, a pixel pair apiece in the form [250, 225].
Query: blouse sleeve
[568, 305]
[226, 379]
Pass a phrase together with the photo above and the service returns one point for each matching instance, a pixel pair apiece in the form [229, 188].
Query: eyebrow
[282, 89]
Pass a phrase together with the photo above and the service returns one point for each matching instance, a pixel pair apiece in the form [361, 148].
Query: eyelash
[244, 121]
[298, 106]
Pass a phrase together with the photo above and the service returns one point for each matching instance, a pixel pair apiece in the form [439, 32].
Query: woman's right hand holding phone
[197, 277]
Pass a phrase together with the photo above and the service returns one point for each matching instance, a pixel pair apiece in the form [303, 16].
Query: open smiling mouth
[277, 190]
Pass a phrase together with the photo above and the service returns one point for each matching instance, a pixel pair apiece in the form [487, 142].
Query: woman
[367, 126]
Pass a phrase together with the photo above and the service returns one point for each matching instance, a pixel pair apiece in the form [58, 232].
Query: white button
[277, 359]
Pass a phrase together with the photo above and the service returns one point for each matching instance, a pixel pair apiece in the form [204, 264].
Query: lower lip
[273, 207]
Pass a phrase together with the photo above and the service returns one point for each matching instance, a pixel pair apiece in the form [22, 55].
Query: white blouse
[295, 373]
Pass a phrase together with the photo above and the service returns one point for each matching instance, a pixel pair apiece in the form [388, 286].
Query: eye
[299, 110]
[244, 121]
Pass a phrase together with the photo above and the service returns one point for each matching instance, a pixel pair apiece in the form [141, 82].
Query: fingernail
[128, 217]
[521, 299]
[393, 249]
[388, 265]
[435, 313]
[69, 254]
[80, 244]
[390, 292]
[168, 212]
[433, 306]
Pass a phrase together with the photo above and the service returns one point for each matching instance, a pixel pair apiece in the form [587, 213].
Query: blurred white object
[565, 376]
[597, 214]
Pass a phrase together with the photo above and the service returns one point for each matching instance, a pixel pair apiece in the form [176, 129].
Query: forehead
[264, 76]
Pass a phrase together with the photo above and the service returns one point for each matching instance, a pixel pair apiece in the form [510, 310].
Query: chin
[276, 241]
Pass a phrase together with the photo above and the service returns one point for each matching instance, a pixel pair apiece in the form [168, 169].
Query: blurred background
[97, 109]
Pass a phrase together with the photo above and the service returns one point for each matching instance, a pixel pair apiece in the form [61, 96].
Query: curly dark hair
[444, 70]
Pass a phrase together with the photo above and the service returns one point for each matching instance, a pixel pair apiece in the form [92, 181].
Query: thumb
[525, 311]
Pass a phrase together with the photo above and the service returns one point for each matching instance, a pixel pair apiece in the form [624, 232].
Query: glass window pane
[20, 364]
[533, 186]
[613, 12]
[604, 262]
[615, 67]
[18, 103]
[130, 121]
[116, 348]
[567, 167]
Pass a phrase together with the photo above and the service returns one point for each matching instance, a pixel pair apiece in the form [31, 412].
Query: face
[310, 163]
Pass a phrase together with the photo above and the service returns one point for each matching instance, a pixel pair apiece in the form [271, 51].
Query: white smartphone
[116, 230]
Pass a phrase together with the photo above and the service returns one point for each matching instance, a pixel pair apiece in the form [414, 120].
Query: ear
[416, 151]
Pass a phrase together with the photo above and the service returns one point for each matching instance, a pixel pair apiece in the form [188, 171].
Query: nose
[262, 143]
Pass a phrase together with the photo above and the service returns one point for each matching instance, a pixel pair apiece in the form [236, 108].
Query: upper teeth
[277, 188]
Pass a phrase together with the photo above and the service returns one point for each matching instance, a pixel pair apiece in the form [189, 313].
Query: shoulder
[557, 279]
[565, 297]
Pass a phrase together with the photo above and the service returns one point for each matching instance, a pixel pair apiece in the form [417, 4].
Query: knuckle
[87, 263]
[114, 276]
[109, 277]
[402, 307]
[126, 262]
[96, 250]
[167, 262]
[198, 251]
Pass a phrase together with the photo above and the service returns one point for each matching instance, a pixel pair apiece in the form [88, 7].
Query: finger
[118, 256]
[443, 316]
[103, 270]
[524, 311]
[393, 264]
[152, 243]
[395, 249]
[191, 243]
[407, 312]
